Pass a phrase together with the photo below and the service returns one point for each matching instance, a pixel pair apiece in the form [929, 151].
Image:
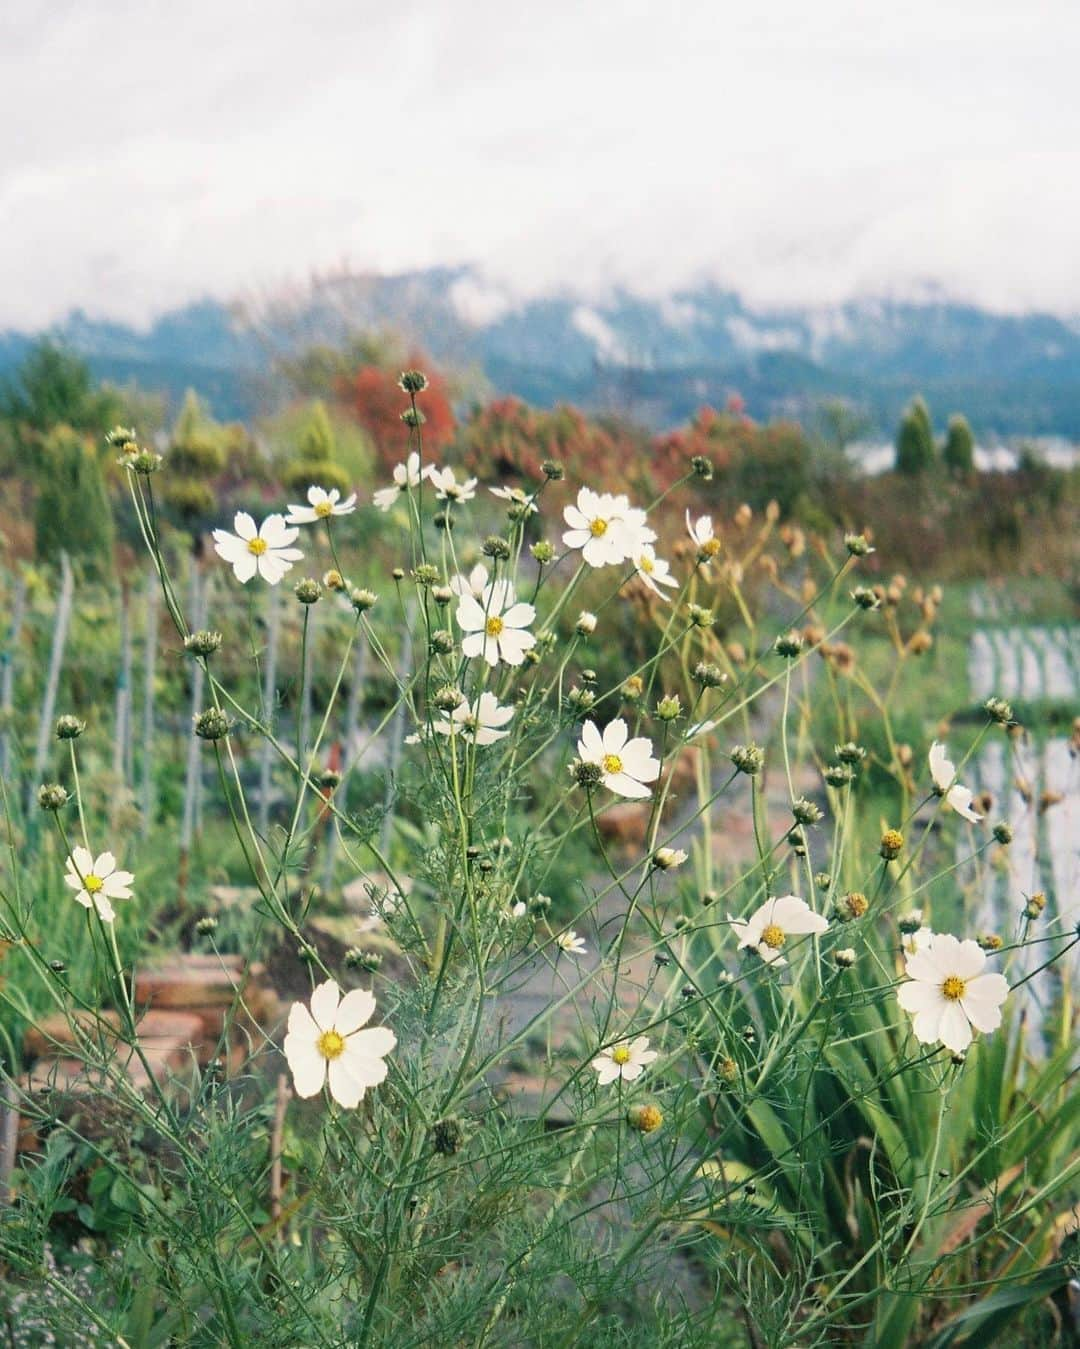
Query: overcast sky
[798, 150]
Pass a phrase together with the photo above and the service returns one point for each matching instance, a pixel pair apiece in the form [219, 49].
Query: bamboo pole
[269, 693]
[7, 675]
[149, 662]
[52, 684]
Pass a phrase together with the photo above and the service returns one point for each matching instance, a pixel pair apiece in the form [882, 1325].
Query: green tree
[73, 512]
[315, 463]
[196, 457]
[54, 387]
[915, 448]
[958, 453]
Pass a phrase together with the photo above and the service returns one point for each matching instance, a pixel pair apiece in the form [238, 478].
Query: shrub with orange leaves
[372, 395]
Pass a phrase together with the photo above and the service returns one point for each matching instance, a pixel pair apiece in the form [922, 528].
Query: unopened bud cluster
[69, 727]
[748, 759]
[202, 643]
[212, 724]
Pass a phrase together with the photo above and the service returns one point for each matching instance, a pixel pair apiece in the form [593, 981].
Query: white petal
[915, 996]
[228, 546]
[632, 1070]
[324, 1004]
[960, 799]
[345, 1087]
[941, 768]
[625, 786]
[354, 1011]
[245, 567]
[306, 1064]
[244, 526]
[955, 1031]
[84, 861]
[615, 736]
[369, 1047]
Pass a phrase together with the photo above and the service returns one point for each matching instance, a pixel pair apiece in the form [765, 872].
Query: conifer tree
[73, 514]
[959, 451]
[315, 464]
[915, 449]
[195, 458]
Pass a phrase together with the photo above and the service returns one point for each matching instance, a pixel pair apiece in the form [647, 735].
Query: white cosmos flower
[408, 474]
[769, 927]
[606, 528]
[327, 1043]
[701, 533]
[264, 550]
[625, 765]
[480, 721]
[447, 486]
[96, 881]
[519, 909]
[322, 504]
[943, 772]
[570, 942]
[653, 570]
[474, 584]
[626, 1060]
[911, 943]
[515, 494]
[949, 993]
[496, 625]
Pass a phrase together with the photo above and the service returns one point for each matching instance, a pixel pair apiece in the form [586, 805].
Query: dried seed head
[69, 727]
[308, 591]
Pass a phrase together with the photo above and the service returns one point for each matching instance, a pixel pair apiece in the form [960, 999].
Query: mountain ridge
[655, 359]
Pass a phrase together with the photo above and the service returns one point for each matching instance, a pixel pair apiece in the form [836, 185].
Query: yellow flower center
[953, 987]
[647, 566]
[773, 936]
[711, 547]
[494, 626]
[257, 546]
[324, 508]
[92, 884]
[597, 528]
[620, 1055]
[330, 1044]
[611, 763]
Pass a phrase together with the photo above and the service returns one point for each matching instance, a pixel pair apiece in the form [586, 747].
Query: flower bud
[1035, 905]
[844, 958]
[699, 617]
[447, 1136]
[206, 925]
[633, 688]
[362, 600]
[69, 727]
[865, 598]
[666, 859]
[448, 697]
[990, 941]
[838, 775]
[911, 922]
[308, 591]
[789, 644]
[553, 471]
[496, 547]
[442, 595]
[857, 545]
[212, 724]
[425, 574]
[586, 624]
[850, 906]
[1003, 833]
[702, 468]
[580, 699]
[202, 643]
[543, 552]
[850, 753]
[413, 417]
[997, 709]
[412, 381]
[822, 879]
[748, 759]
[398, 573]
[892, 841]
[51, 796]
[727, 1069]
[329, 778]
[586, 775]
[805, 811]
[442, 641]
[708, 675]
[646, 1118]
[669, 707]
[333, 579]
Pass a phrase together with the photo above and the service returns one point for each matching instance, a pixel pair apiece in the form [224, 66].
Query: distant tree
[196, 457]
[374, 399]
[315, 462]
[73, 512]
[958, 453]
[54, 387]
[915, 449]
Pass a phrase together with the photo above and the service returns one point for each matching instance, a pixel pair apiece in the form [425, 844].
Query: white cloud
[800, 153]
[600, 333]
